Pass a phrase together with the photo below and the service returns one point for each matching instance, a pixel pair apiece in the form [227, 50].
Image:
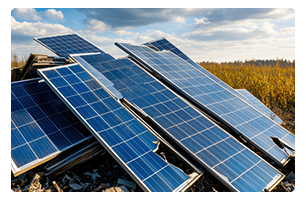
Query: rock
[128, 184]
[116, 189]
[288, 187]
[108, 174]
[101, 186]
[291, 177]
[75, 186]
[93, 175]
[74, 182]
[123, 188]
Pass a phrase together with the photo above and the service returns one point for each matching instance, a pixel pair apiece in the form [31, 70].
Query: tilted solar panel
[41, 125]
[65, 44]
[230, 161]
[164, 44]
[252, 100]
[198, 88]
[126, 139]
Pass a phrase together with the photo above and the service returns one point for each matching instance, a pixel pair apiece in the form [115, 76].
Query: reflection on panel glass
[197, 87]
[119, 132]
[194, 132]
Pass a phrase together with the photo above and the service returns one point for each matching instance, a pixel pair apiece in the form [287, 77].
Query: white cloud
[179, 19]
[282, 13]
[96, 26]
[27, 14]
[287, 31]
[238, 33]
[36, 29]
[267, 28]
[203, 20]
[53, 14]
[122, 32]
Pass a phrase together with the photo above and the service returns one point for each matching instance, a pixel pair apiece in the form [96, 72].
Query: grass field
[273, 83]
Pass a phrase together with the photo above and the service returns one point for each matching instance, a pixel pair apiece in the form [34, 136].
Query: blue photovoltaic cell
[164, 44]
[253, 101]
[63, 45]
[98, 76]
[38, 124]
[126, 138]
[199, 136]
[195, 86]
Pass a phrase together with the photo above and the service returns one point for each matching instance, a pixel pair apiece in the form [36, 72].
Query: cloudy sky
[203, 34]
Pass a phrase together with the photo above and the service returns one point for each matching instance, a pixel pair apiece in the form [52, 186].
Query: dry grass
[17, 61]
[272, 83]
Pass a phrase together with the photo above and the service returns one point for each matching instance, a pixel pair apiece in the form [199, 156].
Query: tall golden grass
[17, 61]
[273, 84]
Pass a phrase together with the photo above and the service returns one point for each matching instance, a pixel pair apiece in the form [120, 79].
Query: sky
[204, 34]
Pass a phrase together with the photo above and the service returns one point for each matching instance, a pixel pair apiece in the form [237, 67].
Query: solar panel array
[164, 44]
[93, 92]
[63, 45]
[228, 159]
[41, 124]
[195, 86]
[252, 100]
[117, 130]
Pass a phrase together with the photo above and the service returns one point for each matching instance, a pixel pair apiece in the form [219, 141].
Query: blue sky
[208, 34]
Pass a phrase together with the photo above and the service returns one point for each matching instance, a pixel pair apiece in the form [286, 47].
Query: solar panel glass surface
[195, 86]
[164, 44]
[117, 130]
[252, 100]
[200, 137]
[41, 125]
[63, 45]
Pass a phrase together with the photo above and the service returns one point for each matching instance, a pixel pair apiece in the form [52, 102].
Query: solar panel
[252, 100]
[230, 161]
[127, 140]
[198, 88]
[62, 45]
[164, 44]
[41, 125]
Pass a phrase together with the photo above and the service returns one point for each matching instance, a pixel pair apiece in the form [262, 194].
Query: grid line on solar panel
[98, 76]
[124, 136]
[44, 115]
[164, 44]
[224, 139]
[164, 62]
[252, 100]
[199, 128]
[66, 44]
[34, 126]
[156, 172]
